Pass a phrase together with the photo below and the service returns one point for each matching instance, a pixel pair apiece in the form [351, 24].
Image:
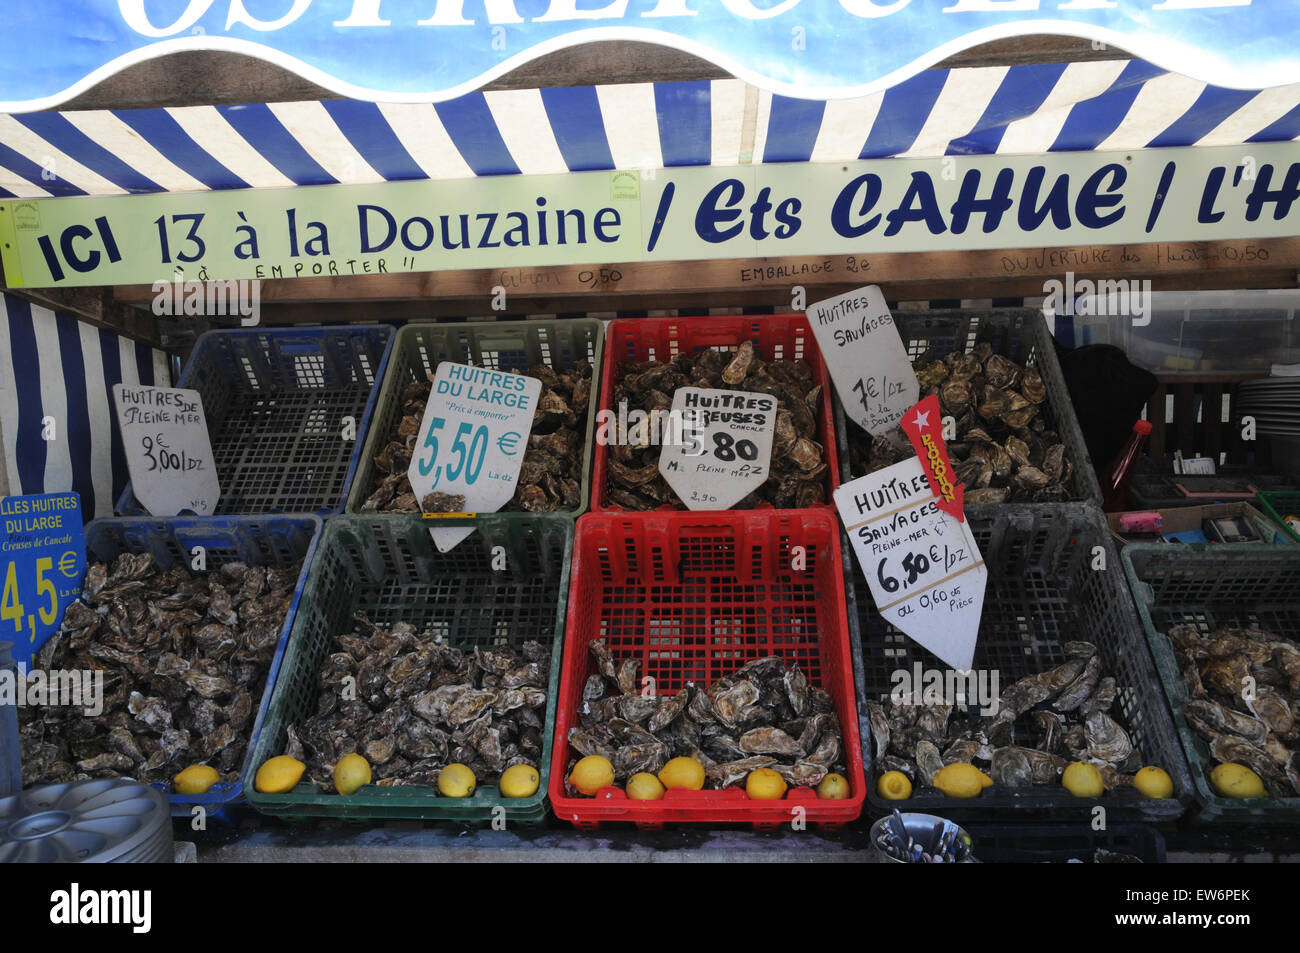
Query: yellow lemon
[351, 773]
[1083, 780]
[1154, 782]
[764, 784]
[520, 780]
[682, 774]
[834, 787]
[894, 786]
[456, 780]
[196, 779]
[591, 774]
[278, 775]
[644, 787]
[1237, 780]
[960, 780]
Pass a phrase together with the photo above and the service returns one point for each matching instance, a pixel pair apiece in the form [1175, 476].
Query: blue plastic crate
[256, 540]
[274, 401]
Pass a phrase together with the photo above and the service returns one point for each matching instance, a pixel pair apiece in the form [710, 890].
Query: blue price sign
[43, 561]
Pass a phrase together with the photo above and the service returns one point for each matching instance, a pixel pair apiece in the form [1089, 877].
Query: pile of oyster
[1004, 449]
[550, 477]
[411, 704]
[1043, 722]
[797, 473]
[1244, 689]
[763, 715]
[184, 659]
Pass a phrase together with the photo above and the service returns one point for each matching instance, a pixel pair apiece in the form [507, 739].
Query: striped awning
[1024, 109]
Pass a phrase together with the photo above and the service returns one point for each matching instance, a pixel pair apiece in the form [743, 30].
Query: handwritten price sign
[728, 449]
[865, 356]
[476, 428]
[923, 566]
[168, 453]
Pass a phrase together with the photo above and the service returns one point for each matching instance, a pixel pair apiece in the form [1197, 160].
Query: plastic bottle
[11, 764]
[1119, 475]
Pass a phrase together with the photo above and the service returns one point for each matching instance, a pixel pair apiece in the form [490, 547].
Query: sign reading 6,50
[12, 608]
[468, 457]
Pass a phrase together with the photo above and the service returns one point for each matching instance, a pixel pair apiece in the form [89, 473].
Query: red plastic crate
[695, 596]
[777, 337]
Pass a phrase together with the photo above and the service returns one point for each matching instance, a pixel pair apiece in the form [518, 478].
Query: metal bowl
[918, 827]
[86, 822]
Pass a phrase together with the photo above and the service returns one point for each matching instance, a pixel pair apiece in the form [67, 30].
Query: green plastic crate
[1211, 586]
[514, 346]
[1278, 504]
[388, 567]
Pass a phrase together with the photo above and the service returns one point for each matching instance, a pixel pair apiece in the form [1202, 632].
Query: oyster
[550, 474]
[182, 656]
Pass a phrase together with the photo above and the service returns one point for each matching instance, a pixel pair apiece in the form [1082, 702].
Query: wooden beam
[210, 77]
[95, 306]
[1266, 263]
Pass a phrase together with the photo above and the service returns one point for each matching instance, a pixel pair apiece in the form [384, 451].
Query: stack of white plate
[120, 822]
[1274, 402]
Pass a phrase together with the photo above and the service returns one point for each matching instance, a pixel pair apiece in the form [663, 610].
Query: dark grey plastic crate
[1042, 592]
[1211, 586]
[1020, 334]
[275, 403]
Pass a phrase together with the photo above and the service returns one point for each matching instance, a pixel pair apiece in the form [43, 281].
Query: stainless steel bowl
[918, 827]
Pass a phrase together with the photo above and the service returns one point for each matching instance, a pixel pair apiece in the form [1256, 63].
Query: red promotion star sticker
[923, 426]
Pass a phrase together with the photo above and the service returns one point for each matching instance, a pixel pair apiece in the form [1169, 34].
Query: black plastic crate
[1055, 844]
[1042, 592]
[1209, 587]
[1020, 334]
[275, 401]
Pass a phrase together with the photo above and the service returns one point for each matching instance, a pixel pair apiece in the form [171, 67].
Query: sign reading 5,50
[468, 456]
[11, 608]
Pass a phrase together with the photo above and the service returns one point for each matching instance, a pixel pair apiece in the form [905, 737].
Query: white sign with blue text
[475, 428]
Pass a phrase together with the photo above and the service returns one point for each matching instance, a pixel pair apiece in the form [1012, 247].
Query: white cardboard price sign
[866, 358]
[728, 447]
[924, 567]
[168, 453]
[475, 433]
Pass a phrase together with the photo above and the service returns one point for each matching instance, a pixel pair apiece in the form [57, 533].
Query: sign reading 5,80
[475, 428]
[45, 560]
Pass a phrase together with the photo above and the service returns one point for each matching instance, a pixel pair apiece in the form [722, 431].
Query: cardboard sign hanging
[729, 449]
[923, 566]
[168, 453]
[866, 358]
[476, 426]
[43, 565]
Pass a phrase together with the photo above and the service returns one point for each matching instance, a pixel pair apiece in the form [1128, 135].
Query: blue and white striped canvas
[1023, 109]
[54, 366]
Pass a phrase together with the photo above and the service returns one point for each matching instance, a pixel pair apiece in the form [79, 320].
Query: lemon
[894, 786]
[644, 787]
[456, 780]
[278, 775]
[764, 784]
[1237, 780]
[682, 774]
[521, 780]
[1083, 780]
[834, 787]
[1154, 782]
[351, 773]
[591, 774]
[196, 779]
[959, 779]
